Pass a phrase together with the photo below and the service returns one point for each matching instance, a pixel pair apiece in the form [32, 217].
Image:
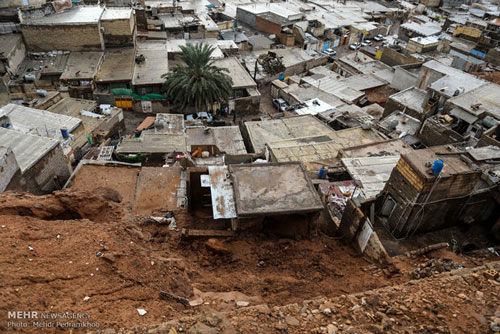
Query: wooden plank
[190, 233]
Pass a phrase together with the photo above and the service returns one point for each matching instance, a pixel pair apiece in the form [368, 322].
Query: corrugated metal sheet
[221, 188]
[28, 149]
[371, 172]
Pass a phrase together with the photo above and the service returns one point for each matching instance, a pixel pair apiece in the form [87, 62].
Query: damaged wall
[352, 229]
[48, 174]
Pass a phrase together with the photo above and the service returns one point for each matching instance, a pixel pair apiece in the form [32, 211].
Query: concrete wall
[245, 17]
[8, 169]
[118, 27]
[48, 174]
[403, 79]
[493, 56]
[70, 38]
[393, 58]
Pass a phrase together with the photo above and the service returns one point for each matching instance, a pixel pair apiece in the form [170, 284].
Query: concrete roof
[377, 149]
[151, 142]
[228, 139]
[453, 164]
[74, 107]
[240, 76]
[317, 149]
[117, 65]
[174, 46]
[38, 122]
[335, 87]
[411, 98]
[457, 81]
[117, 13]
[395, 128]
[487, 95]
[149, 72]
[372, 173]
[267, 131]
[273, 189]
[78, 15]
[364, 81]
[424, 29]
[82, 65]
[28, 149]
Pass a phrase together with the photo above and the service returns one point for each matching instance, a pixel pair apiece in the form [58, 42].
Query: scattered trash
[98, 254]
[86, 298]
[172, 226]
[169, 214]
[493, 251]
[30, 248]
[141, 311]
[241, 303]
[58, 236]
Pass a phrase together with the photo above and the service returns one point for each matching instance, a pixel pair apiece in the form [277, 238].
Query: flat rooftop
[74, 107]
[149, 71]
[78, 15]
[82, 66]
[377, 149]
[117, 65]
[228, 139]
[486, 97]
[320, 149]
[240, 76]
[117, 13]
[38, 122]
[411, 98]
[273, 189]
[28, 149]
[453, 164]
[262, 132]
[371, 173]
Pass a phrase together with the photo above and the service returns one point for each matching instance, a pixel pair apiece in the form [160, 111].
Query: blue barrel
[64, 133]
[282, 77]
[321, 173]
[437, 166]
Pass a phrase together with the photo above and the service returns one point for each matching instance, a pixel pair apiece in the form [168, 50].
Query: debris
[86, 298]
[429, 248]
[30, 248]
[141, 311]
[241, 303]
[182, 300]
[217, 246]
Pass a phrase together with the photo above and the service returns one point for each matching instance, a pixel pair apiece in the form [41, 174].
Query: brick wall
[267, 26]
[71, 38]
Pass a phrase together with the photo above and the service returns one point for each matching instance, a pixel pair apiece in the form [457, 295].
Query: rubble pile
[446, 303]
[433, 267]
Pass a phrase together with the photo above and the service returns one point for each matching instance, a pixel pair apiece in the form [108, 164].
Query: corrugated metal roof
[38, 122]
[371, 172]
[221, 189]
[28, 149]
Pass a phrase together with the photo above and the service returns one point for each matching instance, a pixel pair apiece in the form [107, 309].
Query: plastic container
[437, 166]
[64, 133]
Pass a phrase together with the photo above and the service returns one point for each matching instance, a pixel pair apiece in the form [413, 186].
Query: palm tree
[199, 84]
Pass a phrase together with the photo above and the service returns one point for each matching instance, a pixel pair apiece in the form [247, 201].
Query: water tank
[29, 78]
[64, 133]
[437, 166]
